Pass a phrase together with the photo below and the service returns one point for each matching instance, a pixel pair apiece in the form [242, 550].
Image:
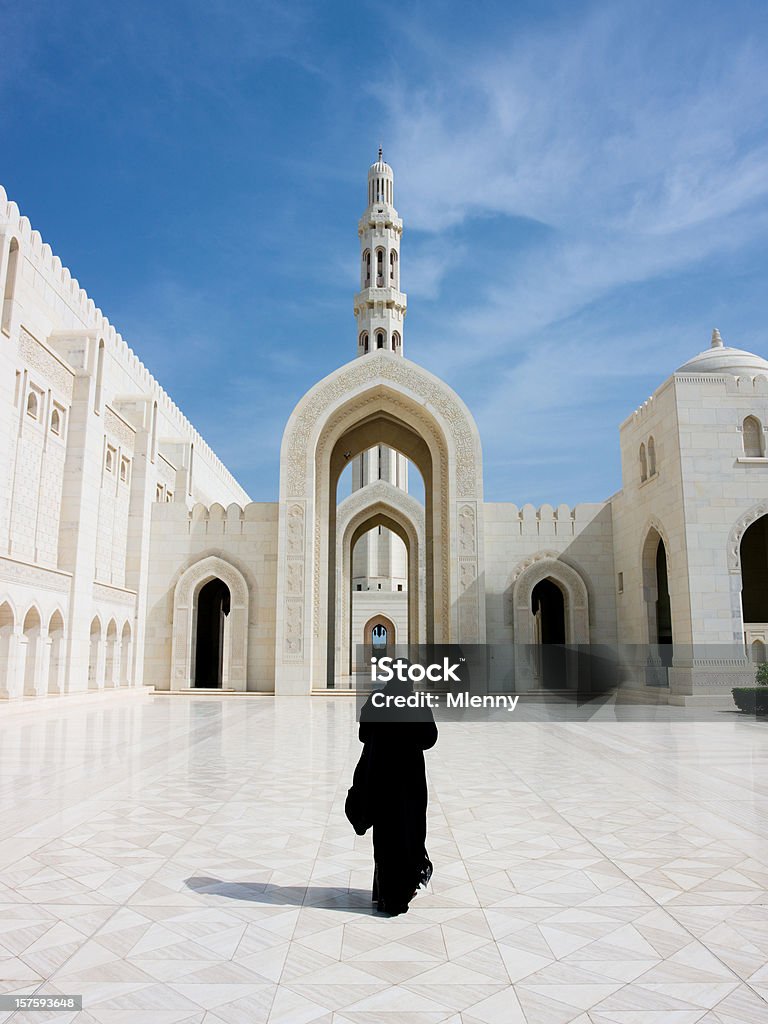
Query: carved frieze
[113, 595]
[46, 364]
[118, 429]
[32, 575]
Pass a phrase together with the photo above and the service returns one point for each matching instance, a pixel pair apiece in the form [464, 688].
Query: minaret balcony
[379, 217]
[390, 297]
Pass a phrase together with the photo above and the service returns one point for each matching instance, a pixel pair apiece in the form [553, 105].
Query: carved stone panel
[47, 365]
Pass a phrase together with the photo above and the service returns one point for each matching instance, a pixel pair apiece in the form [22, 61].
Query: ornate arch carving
[378, 367]
[389, 387]
[738, 530]
[653, 523]
[185, 594]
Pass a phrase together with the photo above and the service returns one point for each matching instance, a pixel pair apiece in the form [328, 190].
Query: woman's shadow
[353, 901]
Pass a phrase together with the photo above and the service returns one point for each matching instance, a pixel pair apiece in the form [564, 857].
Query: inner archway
[379, 636]
[372, 618]
[378, 506]
[213, 606]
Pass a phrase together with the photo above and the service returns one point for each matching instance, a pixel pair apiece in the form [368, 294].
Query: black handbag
[356, 806]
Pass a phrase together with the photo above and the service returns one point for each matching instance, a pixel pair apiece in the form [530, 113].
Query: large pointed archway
[384, 399]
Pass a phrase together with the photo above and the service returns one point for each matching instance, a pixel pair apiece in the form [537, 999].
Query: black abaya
[394, 780]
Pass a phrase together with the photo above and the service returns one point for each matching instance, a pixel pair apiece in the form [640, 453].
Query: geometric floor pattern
[186, 860]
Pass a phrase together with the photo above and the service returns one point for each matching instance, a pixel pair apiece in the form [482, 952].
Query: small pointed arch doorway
[656, 589]
[550, 620]
[658, 608]
[210, 627]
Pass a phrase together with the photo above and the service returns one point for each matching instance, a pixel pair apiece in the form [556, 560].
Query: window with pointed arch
[643, 464]
[380, 339]
[366, 268]
[379, 268]
[56, 421]
[33, 405]
[364, 340]
[395, 341]
[752, 437]
[393, 268]
[651, 457]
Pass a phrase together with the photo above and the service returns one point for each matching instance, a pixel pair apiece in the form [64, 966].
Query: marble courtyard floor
[187, 860]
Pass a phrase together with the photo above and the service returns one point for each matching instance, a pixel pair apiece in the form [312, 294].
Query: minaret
[380, 305]
[380, 561]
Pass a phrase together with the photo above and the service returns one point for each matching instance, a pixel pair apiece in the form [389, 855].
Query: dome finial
[717, 341]
[381, 152]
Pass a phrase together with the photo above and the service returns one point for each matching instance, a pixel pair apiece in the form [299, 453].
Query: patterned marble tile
[585, 873]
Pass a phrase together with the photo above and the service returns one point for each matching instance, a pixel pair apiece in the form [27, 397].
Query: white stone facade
[125, 544]
[91, 445]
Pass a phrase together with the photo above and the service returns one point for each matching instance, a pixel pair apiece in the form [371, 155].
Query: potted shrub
[754, 699]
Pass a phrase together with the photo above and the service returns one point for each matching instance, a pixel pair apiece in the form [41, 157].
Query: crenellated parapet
[546, 520]
[215, 519]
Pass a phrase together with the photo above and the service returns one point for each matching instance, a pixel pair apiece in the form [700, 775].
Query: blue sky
[584, 189]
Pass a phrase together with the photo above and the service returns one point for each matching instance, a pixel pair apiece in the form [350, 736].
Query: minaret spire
[380, 560]
[380, 306]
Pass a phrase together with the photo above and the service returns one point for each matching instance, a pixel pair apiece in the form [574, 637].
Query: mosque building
[130, 556]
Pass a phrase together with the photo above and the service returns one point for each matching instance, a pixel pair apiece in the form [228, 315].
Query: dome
[720, 358]
[380, 167]
[381, 182]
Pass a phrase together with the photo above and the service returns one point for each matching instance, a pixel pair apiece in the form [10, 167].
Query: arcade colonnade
[33, 649]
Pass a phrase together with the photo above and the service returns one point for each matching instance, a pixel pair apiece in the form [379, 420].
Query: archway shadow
[353, 901]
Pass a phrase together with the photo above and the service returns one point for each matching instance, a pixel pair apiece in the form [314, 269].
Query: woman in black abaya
[390, 792]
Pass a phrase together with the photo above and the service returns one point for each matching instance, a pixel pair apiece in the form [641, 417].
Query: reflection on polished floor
[186, 859]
